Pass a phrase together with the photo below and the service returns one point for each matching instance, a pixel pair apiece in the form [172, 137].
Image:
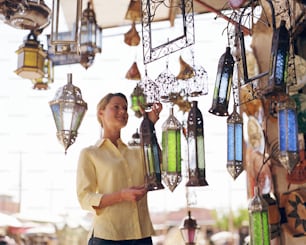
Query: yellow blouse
[105, 168]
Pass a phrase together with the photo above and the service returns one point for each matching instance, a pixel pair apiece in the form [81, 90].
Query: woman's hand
[134, 193]
[154, 113]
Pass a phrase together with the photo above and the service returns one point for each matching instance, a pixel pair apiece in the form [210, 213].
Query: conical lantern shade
[133, 73]
[132, 37]
[186, 71]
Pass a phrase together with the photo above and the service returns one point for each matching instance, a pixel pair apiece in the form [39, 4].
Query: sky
[34, 168]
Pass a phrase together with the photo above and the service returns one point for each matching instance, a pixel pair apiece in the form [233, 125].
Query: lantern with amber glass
[68, 109]
[189, 230]
[31, 57]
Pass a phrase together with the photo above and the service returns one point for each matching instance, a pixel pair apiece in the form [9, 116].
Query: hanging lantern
[278, 61]
[288, 134]
[189, 230]
[31, 58]
[196, 150]
[68, 109]
[171, 151]
[132, 37]
[133, 12]
[259, 221]
[133, 73]
[234, 144]
[138, 100]
[47, 78]
[30, 15]
[223, 84]
[88, 36]
[151, 153]
[135, 141]
[65, 41]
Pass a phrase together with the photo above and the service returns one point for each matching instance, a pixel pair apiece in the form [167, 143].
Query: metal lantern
[151, 154]
[47, 78]
[189, 229]
[234, 144]
[196, 151]
[30, 15]
[68, 109]
[90, 37]
[223, 84]
[288, 134]
[259, 220]
[65, 40]
[171, 151]
[278, 61]
[31, 57]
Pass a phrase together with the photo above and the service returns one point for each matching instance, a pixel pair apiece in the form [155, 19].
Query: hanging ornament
[138, 100]
[171, 151]
[223, 84]
[196, 150]
[150, 90]
[186, 71]
[133, 73]
[288, 134]
[132, 37]
[151, 153]
[278, 61]
[234, 144]
[259, 220]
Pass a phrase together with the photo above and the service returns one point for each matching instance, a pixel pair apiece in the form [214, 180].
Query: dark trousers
[99, 241]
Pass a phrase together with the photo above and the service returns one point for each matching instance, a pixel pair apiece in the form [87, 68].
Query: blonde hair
[104, 102]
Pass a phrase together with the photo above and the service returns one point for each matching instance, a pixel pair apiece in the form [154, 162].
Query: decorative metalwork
[153, 51]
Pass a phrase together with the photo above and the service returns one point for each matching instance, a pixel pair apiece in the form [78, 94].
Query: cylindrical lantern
[189, 230]
[278, 61]
[151, 153]
[234, 144]
[223, 84]
[171, 151]
[196, 150]
[288, 134]
[259, 220]
[31, 57]
[68, 109]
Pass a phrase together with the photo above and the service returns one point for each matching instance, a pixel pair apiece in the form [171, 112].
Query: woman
[110, 180]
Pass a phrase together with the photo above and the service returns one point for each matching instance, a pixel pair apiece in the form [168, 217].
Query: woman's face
[115, 113]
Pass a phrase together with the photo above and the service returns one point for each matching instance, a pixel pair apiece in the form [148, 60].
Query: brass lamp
[48, 77]
[90, 37]
[189, 229]
[31, 58]
[68, 109]
[61, 42]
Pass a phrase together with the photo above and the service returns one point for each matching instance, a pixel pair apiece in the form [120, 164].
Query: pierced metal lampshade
[189, 229]
[68, 109]
[223, 84]
[31, 57]
[234, 144]
[288, 134]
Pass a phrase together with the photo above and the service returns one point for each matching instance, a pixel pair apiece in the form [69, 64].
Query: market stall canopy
[112, 13]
